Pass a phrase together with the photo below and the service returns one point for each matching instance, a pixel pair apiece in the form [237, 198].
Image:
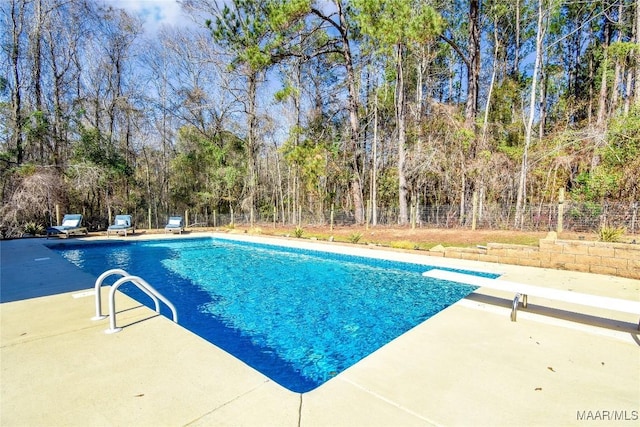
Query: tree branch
[458, 50]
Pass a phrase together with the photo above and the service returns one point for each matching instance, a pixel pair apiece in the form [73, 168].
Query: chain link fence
[576, 217]
[570, 216]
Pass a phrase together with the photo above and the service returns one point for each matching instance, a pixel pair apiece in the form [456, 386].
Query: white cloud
[154, 12]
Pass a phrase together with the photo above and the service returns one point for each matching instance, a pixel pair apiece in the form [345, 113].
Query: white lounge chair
[522, 290]
[175, 225]
[121, 224]
[71, 224]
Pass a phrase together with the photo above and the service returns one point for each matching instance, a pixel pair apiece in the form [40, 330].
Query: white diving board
[521, 289]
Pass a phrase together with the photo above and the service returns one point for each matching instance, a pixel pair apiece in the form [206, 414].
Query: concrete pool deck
[559, 364]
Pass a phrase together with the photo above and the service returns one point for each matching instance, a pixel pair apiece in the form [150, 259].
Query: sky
[154, 12]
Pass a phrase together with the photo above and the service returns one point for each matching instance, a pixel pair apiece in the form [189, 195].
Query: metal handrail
[514, 307]
[99, 282]
[144, 286]
[126, 277]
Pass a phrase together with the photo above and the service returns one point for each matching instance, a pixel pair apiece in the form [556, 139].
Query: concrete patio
[558, 365]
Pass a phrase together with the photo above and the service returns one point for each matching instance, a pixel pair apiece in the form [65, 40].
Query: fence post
[413, 215]
[331, 219]
[560, 210]
[57, 214]
[367, 215]
[186, 217]
[232, 222]
[474, 212]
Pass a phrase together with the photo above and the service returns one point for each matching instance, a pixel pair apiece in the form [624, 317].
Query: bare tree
[522, 183]
[33, 199]
[340, 24]
[14, 16]
[637, 55]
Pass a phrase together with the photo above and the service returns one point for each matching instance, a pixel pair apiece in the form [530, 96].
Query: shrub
[33, 228]
[402, 244]
[611, 234]
[355, 237]
[298, 232]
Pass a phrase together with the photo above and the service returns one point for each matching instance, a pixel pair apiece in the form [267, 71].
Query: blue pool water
[298, 316]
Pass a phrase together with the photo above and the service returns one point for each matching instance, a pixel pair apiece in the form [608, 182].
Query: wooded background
[277, 109]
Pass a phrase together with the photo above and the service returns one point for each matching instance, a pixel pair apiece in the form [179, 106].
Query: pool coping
[467, 365]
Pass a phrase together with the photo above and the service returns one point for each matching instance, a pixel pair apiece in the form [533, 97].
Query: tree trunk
[374, 165]
[633, 71]
[422, 63]
[591, 79]
[529, 124]
[601, 116]
[516, 55]
[57, 136]
[403, 216]
[356, 173]
[487, 106]
[36, 78]
[543, 102]
[628, 91]
[618, 68]
[637, 55]
[251, 143]
[17, 16]
[473, 74]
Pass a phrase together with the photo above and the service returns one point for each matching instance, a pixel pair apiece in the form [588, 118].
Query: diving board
[521, 289]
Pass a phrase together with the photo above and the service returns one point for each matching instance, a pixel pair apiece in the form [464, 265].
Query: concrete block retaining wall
[615, 259]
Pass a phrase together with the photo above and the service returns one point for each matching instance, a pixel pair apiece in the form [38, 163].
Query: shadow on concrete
[29, 269]
[557, 313]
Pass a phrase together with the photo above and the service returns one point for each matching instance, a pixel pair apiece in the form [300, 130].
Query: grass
[407, 244]
[419, 243]
[404, 238]
[516, 240]
[355, 237]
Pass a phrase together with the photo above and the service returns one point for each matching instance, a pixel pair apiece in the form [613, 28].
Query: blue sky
[154, 12]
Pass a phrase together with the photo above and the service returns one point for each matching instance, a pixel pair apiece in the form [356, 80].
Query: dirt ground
[396, 237]
[408, 238]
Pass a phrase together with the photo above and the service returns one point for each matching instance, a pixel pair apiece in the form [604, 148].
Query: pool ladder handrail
[136, 280]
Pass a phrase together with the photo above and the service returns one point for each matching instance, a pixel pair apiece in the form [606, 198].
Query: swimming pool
[298, 316]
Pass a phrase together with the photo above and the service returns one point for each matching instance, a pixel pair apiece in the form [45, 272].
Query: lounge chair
[121, 224]
[175, 225]
[71, 224]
